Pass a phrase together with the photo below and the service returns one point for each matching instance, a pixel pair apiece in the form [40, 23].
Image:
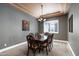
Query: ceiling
[49, 9]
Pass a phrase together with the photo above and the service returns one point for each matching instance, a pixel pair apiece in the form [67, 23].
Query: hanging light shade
[41, 17]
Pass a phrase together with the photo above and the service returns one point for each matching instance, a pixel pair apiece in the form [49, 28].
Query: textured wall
[11, 25]
[73, 38]
[62, 35]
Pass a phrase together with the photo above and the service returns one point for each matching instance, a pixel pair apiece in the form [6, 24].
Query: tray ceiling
[34, 9]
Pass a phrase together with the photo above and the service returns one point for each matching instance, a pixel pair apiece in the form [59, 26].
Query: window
[51, 26]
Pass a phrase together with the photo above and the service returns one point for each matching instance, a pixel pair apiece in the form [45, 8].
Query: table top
[43, 37]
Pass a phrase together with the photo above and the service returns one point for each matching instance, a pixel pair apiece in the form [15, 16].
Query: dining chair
[50, 41]
[47, 44]
[32, 44]
[44, 45]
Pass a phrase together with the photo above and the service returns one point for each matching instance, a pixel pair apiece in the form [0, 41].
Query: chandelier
[41, 17]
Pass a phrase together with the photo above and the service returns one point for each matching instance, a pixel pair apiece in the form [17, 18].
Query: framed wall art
[25, 25]
[71, 23]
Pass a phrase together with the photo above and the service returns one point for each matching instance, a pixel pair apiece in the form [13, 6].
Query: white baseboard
[7, 48]
[62, 41]
[71, 49]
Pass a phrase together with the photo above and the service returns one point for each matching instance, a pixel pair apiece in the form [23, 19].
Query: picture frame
[25, 25]
[71, 23]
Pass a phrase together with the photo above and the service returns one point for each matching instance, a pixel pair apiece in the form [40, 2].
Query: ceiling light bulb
[44, 19]
[41, 19]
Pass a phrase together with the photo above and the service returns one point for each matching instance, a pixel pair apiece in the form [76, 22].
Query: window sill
[54, 32]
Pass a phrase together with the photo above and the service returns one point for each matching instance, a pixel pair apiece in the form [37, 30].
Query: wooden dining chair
[32, 44]
[50, 41]
[47, 44]
[44, 45]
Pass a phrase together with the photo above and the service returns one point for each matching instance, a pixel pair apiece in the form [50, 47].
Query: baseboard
[62, 41]
[71, 49]
[7, 48]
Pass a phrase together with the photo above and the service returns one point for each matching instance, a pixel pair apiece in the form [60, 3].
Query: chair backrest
[29, 37]
[32, 42]
[38, 36]
[31, 34]
[52, 35]
[46, 33]
[50, 38]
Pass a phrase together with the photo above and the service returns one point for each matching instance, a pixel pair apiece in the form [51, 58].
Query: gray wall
[40, 27]
[62, 35]
[73, 38]
[11, 25]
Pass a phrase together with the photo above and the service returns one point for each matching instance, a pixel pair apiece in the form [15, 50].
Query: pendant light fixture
[41, 16]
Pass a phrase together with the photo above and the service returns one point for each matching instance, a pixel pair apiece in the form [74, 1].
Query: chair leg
[39, 50]
[47, 50]
[28, 52]
[52, 44]
[42, 49]
[50, 47]
[34, 52]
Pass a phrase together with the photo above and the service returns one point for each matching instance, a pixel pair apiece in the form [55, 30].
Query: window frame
[57, 25]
